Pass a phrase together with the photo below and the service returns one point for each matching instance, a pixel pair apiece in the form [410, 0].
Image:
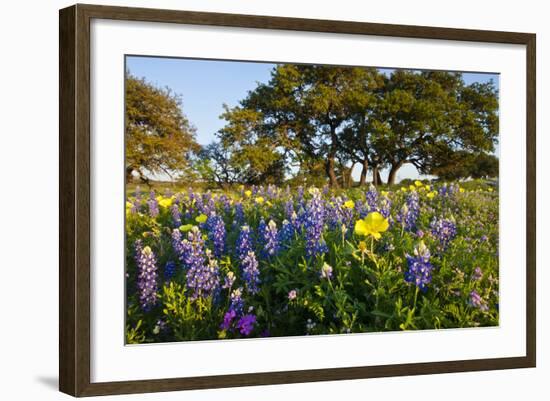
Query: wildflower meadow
[268, 261]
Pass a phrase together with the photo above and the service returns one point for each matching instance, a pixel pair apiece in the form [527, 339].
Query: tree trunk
[129, 171]
[364, 170]
[393, 172]
[329, 165]
[378, 178]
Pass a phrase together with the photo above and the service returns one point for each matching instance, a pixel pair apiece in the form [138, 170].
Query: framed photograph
[249, 200]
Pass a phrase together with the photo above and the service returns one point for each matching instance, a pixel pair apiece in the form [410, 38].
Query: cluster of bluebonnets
[270, 261]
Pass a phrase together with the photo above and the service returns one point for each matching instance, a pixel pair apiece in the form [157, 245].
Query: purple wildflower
[476, 301]
[246, 324]
[176, 215]
[146, 276]
[477, 274]
[153, 205]
[228, 319]
[419, 267]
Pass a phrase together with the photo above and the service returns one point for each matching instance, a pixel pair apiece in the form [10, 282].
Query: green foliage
[327, 119]
[367, 291]
[159, 138]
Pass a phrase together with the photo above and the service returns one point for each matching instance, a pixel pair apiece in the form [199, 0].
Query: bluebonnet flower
[314, 222]
[176, 216]
[245, 325]
[477, 274]
[444, 230]
[286, 234]
[244, 243]
[361, 209]
[169, 270]
[476, 301]
[251, 273]
[180, 247]
[270, 239]
[229, 280]
[408, 215]
[260, 234]
[447, 190]
[202, 269]
[419, 267]
[326, 271]
[146, 276]
[385, 206]
[136, 203]
[371, 197]
[237, 303]
[289, 209]
[300, 194]
[239, 213]
[153, 205]
[204, 281]
[216, 233]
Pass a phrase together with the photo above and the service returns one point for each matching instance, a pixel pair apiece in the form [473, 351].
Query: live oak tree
[338, 117]
[422, 113]
[159, 138]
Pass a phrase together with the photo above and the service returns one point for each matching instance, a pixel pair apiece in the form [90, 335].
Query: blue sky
[205, 85]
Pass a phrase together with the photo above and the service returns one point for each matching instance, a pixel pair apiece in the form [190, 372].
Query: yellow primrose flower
[129, 205]
[313, 190]
[166, 202]
[384, 193]
[431, 195]
[411, 187]
[186, 227]
[362, 246]
[461, 190]
[201, 218]
[373, 224]
[418, 183]
[428, 188]
[404, 189]
[349, 204]
[248, 193]
[490, 189]
[259, 200]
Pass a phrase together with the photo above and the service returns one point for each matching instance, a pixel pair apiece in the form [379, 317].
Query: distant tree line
[315, 124]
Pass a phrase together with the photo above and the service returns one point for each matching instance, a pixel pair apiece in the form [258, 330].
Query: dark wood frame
[74, 199]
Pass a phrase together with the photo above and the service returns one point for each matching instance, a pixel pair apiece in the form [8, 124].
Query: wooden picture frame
[74, 199]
